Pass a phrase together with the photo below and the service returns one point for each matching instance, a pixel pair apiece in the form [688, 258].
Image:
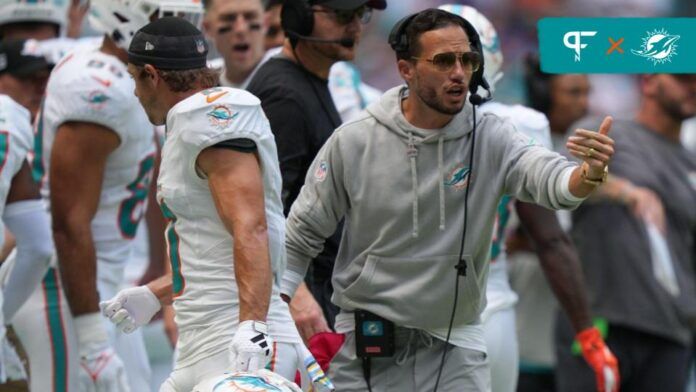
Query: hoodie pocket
[416, 292]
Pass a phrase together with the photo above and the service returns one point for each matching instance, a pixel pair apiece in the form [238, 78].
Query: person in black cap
[23, 75]
[293, 88]
[219, 185]
[24, 215]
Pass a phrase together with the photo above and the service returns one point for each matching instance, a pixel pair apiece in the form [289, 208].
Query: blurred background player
[23, 73]
[237, 29]
[639, 262]
[558, 257]
[275, 36]
[91, 124]
[33, 19]
[563, 99]
[58, 22]
[22, 77]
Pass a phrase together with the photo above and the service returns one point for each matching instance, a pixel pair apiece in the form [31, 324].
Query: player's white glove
[251, 348]
[131, 308]
[101, 370]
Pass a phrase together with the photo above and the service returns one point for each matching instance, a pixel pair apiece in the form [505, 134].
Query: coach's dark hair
[537, 84]
[428, 20]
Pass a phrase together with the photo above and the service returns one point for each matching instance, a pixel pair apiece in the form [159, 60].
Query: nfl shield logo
[200, 46]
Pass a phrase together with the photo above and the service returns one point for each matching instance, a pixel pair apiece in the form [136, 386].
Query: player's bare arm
[23, 186]
[643, 202]
[237, 188]
[78, 159]
[559, 261]
[162, 288]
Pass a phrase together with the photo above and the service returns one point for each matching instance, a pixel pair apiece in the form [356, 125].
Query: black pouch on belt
[374, 335]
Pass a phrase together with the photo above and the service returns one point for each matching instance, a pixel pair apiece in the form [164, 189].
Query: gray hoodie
[401, 190]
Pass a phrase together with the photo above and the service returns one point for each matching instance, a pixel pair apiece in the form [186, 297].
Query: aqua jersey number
[132, 209]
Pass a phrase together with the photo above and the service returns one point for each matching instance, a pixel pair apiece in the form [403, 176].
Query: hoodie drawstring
[442, 181]
[412, 154]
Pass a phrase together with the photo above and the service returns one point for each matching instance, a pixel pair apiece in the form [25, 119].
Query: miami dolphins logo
[96, 99]
[658, 47]
[221, 116]
[249, 383]
[458, 178]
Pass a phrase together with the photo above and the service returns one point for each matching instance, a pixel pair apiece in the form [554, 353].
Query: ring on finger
[590, 152]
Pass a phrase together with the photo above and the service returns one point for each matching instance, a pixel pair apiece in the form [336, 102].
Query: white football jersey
[350, 95]
[54, 49]
[93, 87]
[535, 125]
[16, 139]
[199, 246]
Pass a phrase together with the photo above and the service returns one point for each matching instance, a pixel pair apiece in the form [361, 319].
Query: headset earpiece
[538, 85]
[296, 16]
[398, 40]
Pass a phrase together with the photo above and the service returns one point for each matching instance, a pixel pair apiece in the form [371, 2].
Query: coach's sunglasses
[344, 17]
[444, 62]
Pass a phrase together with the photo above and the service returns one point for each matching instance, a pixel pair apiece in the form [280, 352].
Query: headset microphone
[345, 42]
[477, 99]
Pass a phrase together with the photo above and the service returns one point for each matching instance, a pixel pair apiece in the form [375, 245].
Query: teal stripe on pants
[56, 330]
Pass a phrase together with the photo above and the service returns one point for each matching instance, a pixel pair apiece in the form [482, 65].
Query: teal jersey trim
[37, 166]
[178, 281]
[503, 218]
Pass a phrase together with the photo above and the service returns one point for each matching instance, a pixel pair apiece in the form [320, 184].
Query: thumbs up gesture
[594, 148]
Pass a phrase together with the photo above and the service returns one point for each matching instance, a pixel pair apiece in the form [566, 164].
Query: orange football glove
[600, 359]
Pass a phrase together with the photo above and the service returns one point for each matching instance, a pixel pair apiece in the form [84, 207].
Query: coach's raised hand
[595, 149]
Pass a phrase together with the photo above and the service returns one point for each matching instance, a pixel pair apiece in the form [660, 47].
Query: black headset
[538, 85]
[398, 40]
[297, 17]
